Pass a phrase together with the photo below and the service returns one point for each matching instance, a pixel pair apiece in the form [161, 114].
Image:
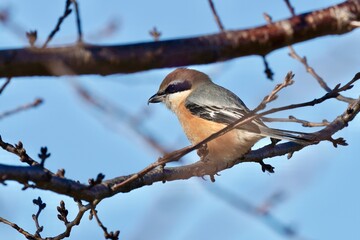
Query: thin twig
[304, 123]
[66, 13]
[41, 206]
[7, 81]
[107, 235]
[272, 96]
[269, 73]
[27, 106]
[75, 222]
[216, 16]
[78, 21]
[313, 73]
[290, 7]
[19, 229]
[18, 150]
[303, 60]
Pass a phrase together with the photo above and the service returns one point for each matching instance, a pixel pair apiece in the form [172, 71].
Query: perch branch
[105, 60]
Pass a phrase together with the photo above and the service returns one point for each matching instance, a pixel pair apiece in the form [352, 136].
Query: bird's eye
[178, 87]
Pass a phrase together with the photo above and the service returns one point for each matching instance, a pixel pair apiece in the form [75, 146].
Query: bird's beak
[156, 98]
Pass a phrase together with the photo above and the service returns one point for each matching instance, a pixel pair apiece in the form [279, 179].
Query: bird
[204, 108]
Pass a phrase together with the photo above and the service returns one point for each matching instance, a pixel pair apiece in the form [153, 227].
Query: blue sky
[320, 183]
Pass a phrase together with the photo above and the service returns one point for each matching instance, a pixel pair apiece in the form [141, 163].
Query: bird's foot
[266, 167]
[202, 152]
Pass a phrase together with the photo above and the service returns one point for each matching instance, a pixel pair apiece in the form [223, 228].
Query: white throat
[173, 100]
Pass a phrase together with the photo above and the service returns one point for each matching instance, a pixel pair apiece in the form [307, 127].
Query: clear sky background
[319, 185]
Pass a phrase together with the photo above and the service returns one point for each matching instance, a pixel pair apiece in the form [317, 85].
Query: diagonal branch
[7, 81]
[216, 16]
[35, 103]
[17, 228]
[66, 13]
[105, 60]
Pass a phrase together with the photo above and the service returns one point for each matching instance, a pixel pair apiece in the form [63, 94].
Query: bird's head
[177, 86]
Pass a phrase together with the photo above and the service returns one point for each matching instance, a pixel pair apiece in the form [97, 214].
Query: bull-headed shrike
[204, 108]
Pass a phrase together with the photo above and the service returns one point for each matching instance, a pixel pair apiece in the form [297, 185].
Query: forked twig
[304, 61]
[313, 73]
[108, 235]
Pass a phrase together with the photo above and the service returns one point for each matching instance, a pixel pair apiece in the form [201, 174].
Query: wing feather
[222, 115]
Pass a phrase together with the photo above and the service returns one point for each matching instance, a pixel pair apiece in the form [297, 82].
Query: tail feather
[293, 136]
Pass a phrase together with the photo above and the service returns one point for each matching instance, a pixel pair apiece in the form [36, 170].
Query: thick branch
[104, 60]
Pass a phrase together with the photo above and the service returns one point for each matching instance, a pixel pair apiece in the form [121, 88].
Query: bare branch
[73, 223]
[104, 60]
[304, 123]
[78, 21]
[216, 16]
[290, 7]
[34, 104]
[17, 228]
[269, 73]
[107, 235]
[41, 206]
[272, 96]
[18, 150]
[7, 81]
[66, 13]
[319, 79]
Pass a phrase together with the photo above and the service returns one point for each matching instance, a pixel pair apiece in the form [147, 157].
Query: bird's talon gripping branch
[266, 167]
[202, 152]
[162, 167]
[274, 141]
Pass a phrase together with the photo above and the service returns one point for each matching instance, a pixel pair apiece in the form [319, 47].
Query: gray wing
[218, 104]
[215, 103]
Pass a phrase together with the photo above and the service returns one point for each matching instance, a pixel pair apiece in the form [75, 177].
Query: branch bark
[105, 60]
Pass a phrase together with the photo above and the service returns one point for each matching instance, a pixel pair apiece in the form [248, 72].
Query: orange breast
[229, 146]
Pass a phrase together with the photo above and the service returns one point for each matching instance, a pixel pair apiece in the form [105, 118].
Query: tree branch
[105, 60]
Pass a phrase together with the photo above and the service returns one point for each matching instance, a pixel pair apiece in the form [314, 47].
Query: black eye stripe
[178, 87]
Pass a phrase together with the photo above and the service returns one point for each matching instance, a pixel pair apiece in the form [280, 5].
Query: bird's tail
[293, 136]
